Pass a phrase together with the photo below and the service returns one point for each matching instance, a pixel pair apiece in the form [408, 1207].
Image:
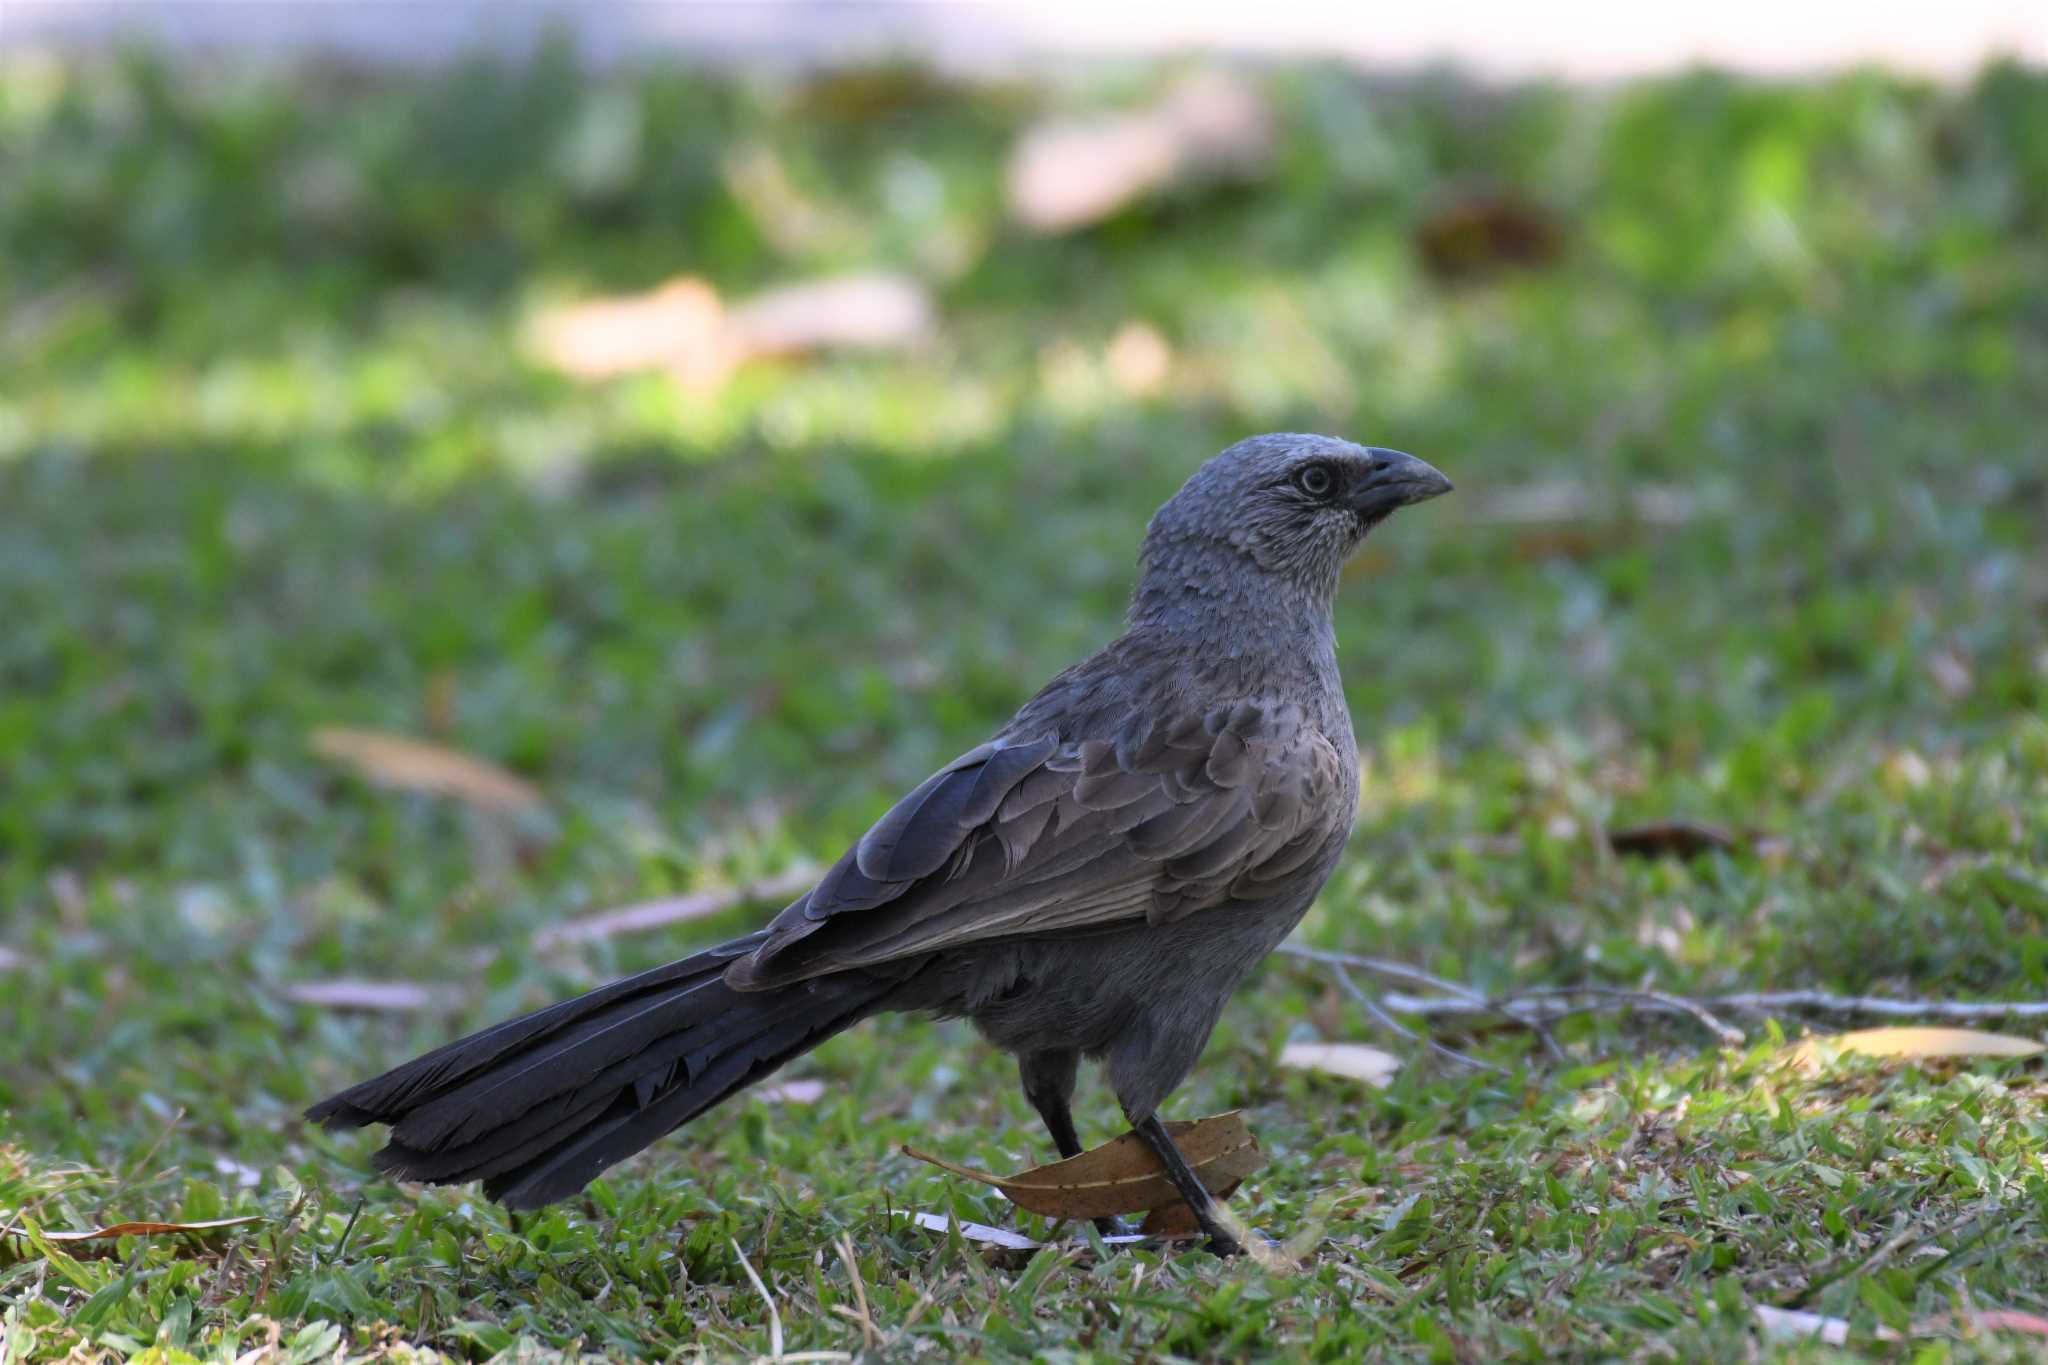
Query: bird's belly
[1085, 992]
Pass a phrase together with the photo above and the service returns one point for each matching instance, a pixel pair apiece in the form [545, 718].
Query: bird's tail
[535, 1107]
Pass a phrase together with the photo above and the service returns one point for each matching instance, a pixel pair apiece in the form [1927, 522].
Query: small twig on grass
[1379, 1015]
[1640, 999]
[1820, 1002]
[1537, 1008]
[1392, 971]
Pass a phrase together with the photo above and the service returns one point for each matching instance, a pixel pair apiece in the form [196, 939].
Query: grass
[271, 458]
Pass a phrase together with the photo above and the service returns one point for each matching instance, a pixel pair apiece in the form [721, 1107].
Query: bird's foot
[1224, 1246]
[1114, 1227]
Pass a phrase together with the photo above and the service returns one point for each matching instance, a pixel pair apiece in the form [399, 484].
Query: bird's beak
[1396, 480]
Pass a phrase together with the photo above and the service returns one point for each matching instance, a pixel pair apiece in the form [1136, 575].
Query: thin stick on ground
[1820, 1002]
[1377, 1012]
[1537, 1008]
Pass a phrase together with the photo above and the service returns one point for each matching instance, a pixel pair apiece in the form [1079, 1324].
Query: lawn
[1753, 498]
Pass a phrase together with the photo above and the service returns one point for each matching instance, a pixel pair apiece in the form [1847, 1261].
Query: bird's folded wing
[1033, 833]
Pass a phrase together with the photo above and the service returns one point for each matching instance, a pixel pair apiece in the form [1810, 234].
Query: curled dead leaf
[417, 765]
[1670, 839]
[1484, 229]
[1122, 1175]
[98, 1243]
[1914, 1043]
[149, 1229]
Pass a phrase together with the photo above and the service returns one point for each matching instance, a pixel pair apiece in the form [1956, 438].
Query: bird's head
[1286, 508]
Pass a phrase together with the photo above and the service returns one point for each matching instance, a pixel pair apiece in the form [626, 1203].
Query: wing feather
[1026, 835]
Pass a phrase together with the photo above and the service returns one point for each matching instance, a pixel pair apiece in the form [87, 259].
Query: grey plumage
[1093, 881]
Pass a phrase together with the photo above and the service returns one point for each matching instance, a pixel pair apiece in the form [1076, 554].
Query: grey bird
[1094, 881]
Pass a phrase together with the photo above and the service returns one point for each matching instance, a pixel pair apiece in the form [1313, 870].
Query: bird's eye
[1316, 480]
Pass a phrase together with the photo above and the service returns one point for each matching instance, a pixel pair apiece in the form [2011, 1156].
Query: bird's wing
[1027, 834]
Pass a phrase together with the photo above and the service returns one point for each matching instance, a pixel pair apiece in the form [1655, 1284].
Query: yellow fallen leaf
[1355, 1061]
[1914, 1042]
[1122, 1175]
[416, 765]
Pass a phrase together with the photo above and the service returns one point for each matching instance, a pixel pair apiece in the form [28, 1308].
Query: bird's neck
[1209, 600]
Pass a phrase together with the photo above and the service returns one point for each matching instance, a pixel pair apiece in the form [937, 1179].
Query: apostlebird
[1093, 881]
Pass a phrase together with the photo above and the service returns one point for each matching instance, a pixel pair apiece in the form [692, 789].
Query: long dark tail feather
[537, 1106]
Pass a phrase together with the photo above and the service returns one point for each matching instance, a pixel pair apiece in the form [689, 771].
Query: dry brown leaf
[1171, 1223]
[864, 312]
[1354, 1061]
[416, 765]
[679, 327]
[1122, 1175]
[677, 909]
[1485, 229]
[377, 997]
[149, 1230]
[684, 328]
[1069, 173]
[1670, 839]
[1914, 1043]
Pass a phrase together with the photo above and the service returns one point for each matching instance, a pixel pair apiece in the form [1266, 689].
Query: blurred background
[466, 467]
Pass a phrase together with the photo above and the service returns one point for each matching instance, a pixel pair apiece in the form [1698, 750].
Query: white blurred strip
[1508, 39]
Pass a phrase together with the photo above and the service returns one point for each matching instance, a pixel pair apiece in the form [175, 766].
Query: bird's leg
[1200, 1202]
[1049, 1085]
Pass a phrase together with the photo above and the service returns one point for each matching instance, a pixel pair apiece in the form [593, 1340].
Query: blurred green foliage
[1753, 480]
